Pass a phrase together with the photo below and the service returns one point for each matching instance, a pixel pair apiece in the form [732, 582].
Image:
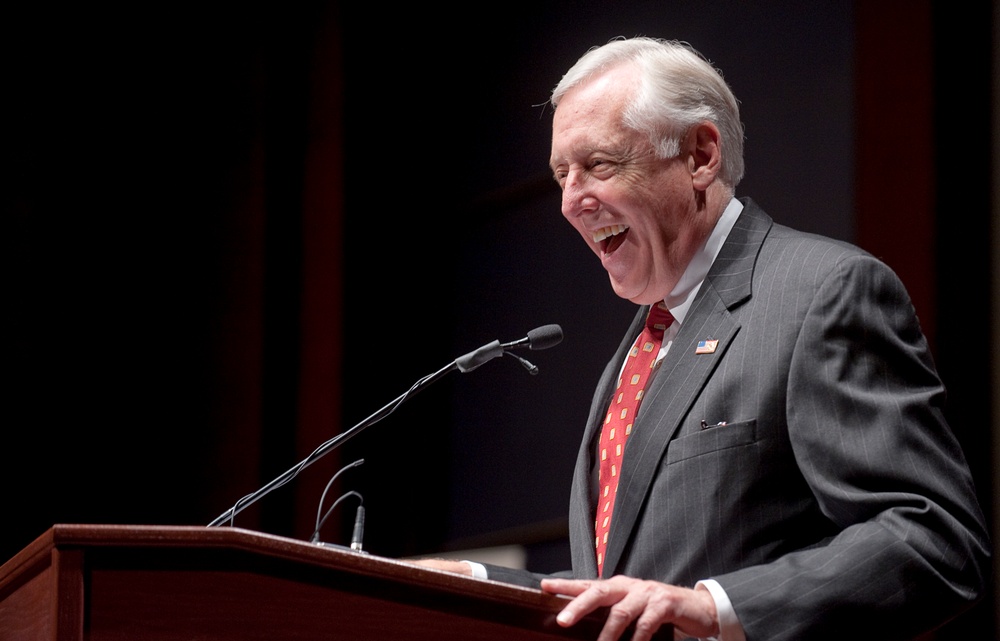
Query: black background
[157, 162]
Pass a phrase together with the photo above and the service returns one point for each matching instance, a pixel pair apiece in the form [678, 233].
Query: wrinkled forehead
[590, 115]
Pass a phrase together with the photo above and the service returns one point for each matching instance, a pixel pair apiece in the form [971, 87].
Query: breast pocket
[712, 439]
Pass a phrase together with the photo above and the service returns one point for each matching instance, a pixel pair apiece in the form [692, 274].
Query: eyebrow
[584, 152]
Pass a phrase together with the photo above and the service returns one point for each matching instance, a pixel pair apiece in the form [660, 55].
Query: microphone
[359, 529]
[528, 365]
[542, 337]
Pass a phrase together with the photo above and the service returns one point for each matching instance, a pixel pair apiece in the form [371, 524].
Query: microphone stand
[466, 363]
[332, 444]
[540, 338]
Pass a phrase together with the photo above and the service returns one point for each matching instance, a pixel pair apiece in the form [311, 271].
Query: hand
[649, 604]
[456, 567]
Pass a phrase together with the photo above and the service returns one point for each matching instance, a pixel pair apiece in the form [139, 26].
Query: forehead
[589, 116]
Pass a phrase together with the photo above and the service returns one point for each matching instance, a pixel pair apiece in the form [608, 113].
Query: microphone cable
[320, 520]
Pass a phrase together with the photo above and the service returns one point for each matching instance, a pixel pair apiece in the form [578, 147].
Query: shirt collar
[679, 300]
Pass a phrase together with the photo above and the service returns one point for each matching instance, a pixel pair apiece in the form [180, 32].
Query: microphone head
[545, 337]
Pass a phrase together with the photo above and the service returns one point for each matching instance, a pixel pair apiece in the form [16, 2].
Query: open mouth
[611, 237]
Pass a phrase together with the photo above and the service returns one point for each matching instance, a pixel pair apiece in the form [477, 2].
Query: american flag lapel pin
[706, 346]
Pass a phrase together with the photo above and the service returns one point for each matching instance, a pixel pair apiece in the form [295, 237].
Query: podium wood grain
[193, 583]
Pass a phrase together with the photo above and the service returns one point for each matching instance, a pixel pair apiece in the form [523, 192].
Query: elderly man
[767, 457]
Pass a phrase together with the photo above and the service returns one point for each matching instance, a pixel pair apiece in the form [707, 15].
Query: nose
[577, 198]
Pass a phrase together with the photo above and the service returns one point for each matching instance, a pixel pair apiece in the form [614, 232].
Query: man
[790, 474]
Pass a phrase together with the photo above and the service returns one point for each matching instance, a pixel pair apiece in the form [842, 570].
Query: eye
[601, 167]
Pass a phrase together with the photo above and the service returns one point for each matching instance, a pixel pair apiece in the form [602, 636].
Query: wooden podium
[160, 583]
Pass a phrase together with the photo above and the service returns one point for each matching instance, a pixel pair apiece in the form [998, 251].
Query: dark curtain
[172, 202]
[214, 216]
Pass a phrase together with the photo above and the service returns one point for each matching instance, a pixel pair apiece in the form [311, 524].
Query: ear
[704, 154]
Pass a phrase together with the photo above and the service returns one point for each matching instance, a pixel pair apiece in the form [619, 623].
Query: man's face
[635, 211]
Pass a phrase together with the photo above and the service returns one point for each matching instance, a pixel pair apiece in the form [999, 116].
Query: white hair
[678, 88]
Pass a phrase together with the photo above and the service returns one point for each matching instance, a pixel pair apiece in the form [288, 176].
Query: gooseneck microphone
[540, 338]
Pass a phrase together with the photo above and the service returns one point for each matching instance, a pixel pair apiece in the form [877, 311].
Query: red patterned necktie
[621, 414]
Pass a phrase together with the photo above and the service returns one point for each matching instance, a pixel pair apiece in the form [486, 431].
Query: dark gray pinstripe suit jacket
[835, 502]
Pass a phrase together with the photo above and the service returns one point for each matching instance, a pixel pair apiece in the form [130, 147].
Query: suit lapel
[684, 372]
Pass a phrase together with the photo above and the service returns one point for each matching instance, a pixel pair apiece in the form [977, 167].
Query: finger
[649, 623]
[596, 594]
[619, 618]
[663, 604]
[569, 587]
[631, 603]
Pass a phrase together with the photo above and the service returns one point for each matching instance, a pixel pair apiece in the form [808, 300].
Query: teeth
[607, 232]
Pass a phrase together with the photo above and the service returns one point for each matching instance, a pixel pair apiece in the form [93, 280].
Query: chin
[626, 293]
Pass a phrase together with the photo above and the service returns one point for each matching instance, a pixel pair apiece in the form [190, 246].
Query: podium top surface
[238, 583]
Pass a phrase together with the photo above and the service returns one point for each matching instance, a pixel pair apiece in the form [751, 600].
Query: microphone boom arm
[330, 445]
[547, 336]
